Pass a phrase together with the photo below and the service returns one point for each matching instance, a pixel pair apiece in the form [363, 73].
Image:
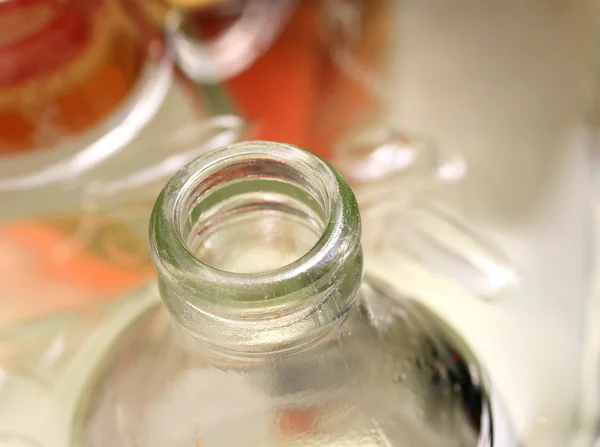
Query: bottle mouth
[255, 225]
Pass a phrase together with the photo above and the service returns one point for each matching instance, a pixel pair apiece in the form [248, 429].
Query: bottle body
[270, 328]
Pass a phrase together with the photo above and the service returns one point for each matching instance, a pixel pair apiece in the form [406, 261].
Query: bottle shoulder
[387, 371]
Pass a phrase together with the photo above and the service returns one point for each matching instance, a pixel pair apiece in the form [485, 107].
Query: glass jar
[402, 178]
[268, 334]
[221, 39]
[76, 199]
[108, 160]
[64, 67]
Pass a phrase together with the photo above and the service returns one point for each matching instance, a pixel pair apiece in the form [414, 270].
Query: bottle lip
[309, 276]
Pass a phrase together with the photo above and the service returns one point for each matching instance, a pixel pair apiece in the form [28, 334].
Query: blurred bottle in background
[465, 130]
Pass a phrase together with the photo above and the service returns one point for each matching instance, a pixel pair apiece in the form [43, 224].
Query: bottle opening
[254, 216]
[257, 247]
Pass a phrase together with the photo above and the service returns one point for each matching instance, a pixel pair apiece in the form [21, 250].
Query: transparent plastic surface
[507, 87]
[280, 338]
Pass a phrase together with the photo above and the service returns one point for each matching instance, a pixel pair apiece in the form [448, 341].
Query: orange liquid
[66, 66]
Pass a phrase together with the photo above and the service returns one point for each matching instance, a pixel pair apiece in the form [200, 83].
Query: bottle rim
[318, 271]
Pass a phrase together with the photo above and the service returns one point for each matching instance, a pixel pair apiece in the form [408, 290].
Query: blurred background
[468, 130]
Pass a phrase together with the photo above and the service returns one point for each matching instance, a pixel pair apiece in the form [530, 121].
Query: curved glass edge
[134, 174]
[341, 234]
[589, 414]
[47, 365]
[236, 48]
[57, 165]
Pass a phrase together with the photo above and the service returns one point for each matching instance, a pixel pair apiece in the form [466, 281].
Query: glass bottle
[508, 88]
[268, 334]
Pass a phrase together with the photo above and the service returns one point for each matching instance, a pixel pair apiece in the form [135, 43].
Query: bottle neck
[257, 248]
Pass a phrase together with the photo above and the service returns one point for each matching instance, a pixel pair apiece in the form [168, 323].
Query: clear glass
[64, 67]
[268, 334]
[46, 364]
[500, 93]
